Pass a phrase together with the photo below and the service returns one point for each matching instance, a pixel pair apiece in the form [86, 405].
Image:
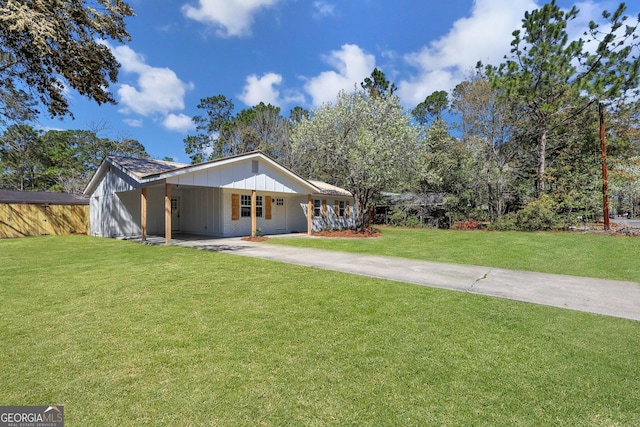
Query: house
[38, 213]
[232, 196]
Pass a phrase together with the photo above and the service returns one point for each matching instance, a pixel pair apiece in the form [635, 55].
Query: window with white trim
[316, 207]
[245, 206]
[259, 206]
[341, 209]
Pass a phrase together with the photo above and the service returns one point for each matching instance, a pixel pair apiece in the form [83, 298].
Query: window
[279, 202]
[316, 207]
[259, 206]
[245, 205]
[341, 209]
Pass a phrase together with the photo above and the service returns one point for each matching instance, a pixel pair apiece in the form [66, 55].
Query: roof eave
[95, 178]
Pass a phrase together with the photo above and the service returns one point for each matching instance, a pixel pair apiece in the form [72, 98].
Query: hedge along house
[232, 196]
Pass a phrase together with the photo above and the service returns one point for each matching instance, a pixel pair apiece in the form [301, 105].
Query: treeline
[515, 144]
[34, 160]
[220, 133]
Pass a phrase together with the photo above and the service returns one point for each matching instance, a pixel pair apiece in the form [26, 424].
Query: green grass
[125, 334]
[579, 254]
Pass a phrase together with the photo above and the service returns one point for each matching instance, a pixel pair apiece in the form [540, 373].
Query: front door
[175, 214]
[280, 213]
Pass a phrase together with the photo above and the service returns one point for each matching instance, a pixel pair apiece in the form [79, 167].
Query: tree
[625, 185]
[46, 47]
[361, 143]
[553, 80]
[222, 134]
[21, 157]
[447, 166]
[431, 108]
[487, 126]
[72, 156]
[258, 128]
[207, 144]
[16, 106]
[57, 160]
[297, 114]
[378, 85]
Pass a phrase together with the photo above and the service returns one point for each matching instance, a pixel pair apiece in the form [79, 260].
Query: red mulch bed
[255, 239]
[368, 232]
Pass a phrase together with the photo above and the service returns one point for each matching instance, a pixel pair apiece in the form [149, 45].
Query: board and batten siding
[295, 214]
[241, 176]
[329, 213]
[110, 206]
[200, 211]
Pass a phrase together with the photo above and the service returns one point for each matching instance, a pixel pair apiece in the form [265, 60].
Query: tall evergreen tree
[378, 85]
[553, 79]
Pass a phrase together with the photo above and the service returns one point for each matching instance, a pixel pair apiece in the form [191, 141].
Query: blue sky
[289, 53]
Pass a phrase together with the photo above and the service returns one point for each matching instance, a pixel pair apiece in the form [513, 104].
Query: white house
[233, 196]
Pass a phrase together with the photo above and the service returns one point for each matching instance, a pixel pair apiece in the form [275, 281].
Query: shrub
[400, 218]
[505, 223]
[470, 224]
[540, 214]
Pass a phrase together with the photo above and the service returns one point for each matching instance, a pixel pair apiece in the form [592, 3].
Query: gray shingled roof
[329, 189]
[145, 167]
[42, 197]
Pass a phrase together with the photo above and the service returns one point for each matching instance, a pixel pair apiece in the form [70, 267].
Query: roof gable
[215, 173]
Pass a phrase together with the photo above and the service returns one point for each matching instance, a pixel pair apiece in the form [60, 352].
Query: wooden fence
[19, 219]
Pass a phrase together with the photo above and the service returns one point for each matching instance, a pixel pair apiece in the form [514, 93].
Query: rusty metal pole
[605, 173]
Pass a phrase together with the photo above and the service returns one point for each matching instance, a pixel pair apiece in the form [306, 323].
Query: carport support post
[167, 213]
[143, 214]
[309, 214]
[253, 213]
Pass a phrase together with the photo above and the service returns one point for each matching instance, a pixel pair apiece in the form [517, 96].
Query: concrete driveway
[608, 297]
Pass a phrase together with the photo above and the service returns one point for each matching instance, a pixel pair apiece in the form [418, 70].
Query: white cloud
[134, 123]
[158, 90]
[178, 122]
[484, 36]
[352, 65]
[229, 17]
[263, 89]
[323, 9]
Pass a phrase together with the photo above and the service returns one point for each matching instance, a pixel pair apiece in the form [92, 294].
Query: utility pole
[605, 173]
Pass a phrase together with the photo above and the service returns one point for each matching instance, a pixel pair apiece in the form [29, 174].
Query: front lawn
[124, 334]
[579, 254]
